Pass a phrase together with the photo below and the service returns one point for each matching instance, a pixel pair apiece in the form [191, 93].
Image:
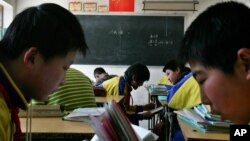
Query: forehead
[97, 74]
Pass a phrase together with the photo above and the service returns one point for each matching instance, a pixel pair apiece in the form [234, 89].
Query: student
[134, 77]
[217, 47]
[35, 52]
[185, 92]
[76, 92]
[101, 75]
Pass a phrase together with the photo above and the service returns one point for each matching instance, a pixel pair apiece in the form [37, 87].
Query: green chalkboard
[123, 40]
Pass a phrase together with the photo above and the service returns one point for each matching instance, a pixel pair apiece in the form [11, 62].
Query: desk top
[55, 125]
[107, 99]
[191, 134]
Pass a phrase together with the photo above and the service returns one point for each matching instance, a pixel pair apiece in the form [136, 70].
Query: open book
[82, 114]
[116, 126]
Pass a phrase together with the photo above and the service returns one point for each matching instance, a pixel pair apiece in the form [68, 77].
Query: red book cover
[121, 5]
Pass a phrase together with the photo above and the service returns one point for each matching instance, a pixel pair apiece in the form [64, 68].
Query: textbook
[116, 126]
[203, 121]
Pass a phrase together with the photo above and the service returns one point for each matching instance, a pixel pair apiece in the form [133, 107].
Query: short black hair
[216, 35]
[138, 72]
[99, 70]
[174, 65]
[49, 27]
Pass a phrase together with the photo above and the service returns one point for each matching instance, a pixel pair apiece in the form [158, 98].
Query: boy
[185, 92]
[35, 53]
[217, 47]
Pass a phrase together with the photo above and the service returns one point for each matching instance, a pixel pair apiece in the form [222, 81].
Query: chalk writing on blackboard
[154, 41]
[123, 40]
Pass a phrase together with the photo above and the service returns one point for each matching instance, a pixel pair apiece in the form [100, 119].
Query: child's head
[99, 73]
[217, 47]
[39, 46]
[173, 70]
[50, 28]
[136, 74]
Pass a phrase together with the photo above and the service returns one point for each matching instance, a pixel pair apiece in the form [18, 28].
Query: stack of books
[202, 120]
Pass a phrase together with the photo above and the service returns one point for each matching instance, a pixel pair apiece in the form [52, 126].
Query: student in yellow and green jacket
[133, 78]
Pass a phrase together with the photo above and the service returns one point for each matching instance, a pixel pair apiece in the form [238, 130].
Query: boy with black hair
[35, 53]
[217, 47]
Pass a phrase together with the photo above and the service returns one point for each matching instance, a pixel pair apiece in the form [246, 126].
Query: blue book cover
[194, 119]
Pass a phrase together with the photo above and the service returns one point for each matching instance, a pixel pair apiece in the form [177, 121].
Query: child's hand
[149, 106]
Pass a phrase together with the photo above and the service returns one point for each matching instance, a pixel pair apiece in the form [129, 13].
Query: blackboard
[123, 40]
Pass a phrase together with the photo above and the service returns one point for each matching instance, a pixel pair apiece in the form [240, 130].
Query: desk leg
[154, 99]
[169, 124]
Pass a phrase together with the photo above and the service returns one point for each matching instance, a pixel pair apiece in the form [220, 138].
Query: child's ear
[244, 57]
[30, 56]
[178, 70]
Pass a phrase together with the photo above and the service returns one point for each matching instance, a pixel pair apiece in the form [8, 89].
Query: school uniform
[185, 93]
[11, 99]
[164, 81]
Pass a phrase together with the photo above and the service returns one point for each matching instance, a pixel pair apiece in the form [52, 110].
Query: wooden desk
[102, 100]
[54, 128]
[191, 134]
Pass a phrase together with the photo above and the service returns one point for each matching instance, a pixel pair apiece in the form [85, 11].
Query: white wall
[7, 13]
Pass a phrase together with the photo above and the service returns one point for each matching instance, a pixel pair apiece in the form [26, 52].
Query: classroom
[181, 19]
[15, 6]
